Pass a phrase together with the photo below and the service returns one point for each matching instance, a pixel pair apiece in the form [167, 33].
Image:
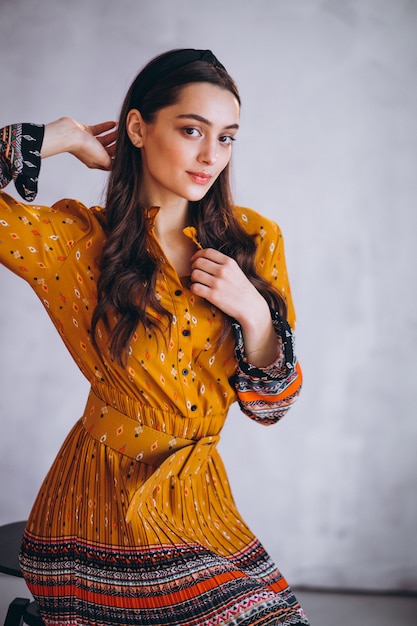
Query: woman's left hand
[219, 279]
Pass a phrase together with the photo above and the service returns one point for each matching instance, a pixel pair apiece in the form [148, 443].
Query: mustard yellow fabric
[178, 385]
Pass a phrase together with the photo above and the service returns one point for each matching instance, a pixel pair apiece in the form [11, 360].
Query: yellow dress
[135, 523]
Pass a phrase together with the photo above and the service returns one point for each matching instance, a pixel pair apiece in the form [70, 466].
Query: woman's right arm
[34, 239]
[20, 157]
[23, 145]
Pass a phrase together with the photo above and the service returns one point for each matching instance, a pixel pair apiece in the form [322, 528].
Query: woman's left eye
[227, 139]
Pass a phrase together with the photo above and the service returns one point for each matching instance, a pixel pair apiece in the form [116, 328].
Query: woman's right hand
[92, 145]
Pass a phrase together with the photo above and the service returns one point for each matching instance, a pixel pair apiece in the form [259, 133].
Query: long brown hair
[128, 270]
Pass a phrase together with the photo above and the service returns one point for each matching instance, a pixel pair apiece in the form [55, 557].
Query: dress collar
[150, 216]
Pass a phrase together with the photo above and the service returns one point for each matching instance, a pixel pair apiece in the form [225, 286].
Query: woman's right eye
[191, 131]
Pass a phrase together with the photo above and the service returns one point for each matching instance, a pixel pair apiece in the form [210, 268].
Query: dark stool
[20, 610]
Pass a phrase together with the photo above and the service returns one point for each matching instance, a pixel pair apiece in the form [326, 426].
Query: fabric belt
[172, 456]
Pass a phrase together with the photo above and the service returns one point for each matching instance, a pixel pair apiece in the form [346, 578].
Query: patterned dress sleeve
[35, 241]
[265, 394]
[20, 157]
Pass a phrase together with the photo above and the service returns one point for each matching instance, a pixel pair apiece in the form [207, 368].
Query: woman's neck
[168, 230]
[171, 219]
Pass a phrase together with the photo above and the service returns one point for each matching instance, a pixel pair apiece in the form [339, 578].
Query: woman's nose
[208, 153]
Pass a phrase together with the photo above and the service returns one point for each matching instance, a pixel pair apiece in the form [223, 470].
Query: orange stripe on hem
[168, 600]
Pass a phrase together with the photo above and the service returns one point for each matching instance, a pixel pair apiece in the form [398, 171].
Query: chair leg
[31, 615]
[15, 612]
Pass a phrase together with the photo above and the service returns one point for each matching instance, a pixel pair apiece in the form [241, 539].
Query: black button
[186, 332]
[178, 292]
[185, 372]
[194, 407]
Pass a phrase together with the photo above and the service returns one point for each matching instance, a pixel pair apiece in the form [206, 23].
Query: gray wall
[328, 149]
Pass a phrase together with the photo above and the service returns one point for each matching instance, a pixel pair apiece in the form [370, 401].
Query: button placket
[180, 308]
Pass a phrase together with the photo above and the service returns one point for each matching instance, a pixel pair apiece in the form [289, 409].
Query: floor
[350, 609]
[323, 609]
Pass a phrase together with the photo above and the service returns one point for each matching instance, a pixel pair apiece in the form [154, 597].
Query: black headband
[167, 63]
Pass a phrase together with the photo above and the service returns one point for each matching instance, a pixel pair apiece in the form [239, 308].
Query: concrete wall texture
[328, 148]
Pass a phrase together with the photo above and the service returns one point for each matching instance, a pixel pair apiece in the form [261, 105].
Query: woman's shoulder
[68, 219]
[257, 224]
[72, 211]
[77, 209]
[44, 237]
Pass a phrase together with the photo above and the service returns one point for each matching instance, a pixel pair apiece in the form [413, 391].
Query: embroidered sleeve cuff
[265, 394]
[20, 158]
[284, 364]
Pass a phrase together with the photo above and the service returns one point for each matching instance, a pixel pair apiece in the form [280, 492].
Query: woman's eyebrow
[199, 118]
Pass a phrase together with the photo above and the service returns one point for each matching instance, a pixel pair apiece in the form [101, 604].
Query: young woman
[174, 304]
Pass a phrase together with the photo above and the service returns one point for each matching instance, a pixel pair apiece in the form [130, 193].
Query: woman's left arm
[219, 279]
[268, 378]
[266, 394]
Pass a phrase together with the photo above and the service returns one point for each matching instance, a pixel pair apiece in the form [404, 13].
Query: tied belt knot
[170, 455]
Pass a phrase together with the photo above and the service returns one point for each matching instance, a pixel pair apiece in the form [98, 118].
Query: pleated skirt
[186, 558]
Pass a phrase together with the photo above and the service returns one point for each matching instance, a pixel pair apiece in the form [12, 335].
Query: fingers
[219, 279]
[203, 278]
[214, 274]
[108, 138]
[210, 254]
[109, 143]
[211, 263]
[106, 134]
[111, 150]
[103, 127]
[203, 266]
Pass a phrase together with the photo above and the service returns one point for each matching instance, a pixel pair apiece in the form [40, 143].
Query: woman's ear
[135, 127]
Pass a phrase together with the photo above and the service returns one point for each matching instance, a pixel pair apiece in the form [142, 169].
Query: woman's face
[188, 144]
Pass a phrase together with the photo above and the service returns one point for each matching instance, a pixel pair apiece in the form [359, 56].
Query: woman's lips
[201, 178]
